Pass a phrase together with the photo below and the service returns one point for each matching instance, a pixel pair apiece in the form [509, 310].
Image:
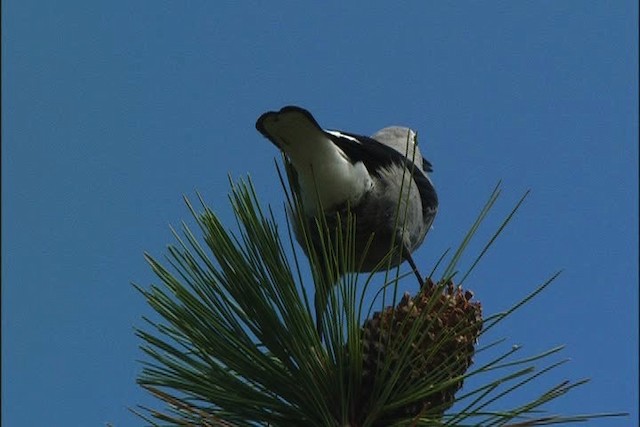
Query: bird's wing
[426, 165]
[376, 156]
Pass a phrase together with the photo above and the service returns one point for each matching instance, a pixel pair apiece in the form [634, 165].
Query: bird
[382, 180]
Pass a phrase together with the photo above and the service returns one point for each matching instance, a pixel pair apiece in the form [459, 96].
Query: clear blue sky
[113, 110]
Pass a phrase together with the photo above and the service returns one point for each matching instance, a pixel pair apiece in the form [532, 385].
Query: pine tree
[237, 343]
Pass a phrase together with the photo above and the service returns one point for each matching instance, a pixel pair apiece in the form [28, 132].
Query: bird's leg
[407, 256]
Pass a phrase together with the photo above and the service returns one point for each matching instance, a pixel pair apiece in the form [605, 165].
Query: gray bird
[378, 178]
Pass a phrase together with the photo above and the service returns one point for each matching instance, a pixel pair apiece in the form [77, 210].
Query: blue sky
[113, 110]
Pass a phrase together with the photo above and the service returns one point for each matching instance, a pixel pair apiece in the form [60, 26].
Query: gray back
[397, 137]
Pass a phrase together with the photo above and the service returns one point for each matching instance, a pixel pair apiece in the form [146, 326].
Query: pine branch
[237, 343]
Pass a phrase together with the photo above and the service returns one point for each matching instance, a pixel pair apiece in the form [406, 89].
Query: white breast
[327, 175]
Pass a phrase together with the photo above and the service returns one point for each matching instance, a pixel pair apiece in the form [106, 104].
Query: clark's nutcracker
[338, 171]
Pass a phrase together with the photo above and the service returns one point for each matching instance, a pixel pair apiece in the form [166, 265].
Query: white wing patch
[342, 135]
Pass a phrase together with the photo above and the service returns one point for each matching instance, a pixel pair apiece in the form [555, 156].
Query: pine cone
[442, 350]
